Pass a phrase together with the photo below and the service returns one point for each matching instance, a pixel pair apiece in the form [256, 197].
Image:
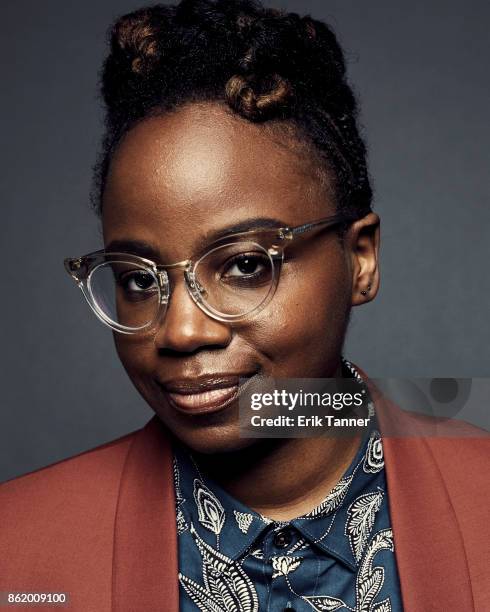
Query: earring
[365, 292]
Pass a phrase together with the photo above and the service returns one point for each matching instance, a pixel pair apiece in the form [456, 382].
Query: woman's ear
[362, 246]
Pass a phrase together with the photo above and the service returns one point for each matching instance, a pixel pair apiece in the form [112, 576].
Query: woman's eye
[137, 282]
[245, 265]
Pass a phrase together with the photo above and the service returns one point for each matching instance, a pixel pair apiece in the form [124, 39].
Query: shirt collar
[212, 511]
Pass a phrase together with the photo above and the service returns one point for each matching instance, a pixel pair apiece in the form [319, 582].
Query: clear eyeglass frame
[272, 242]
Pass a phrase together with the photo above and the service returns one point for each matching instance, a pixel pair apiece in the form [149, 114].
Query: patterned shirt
[339, 556]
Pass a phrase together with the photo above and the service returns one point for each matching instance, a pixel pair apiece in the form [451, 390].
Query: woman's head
[219, 113]
[262, 64]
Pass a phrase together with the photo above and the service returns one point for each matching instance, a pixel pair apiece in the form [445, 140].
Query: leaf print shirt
[339, 556]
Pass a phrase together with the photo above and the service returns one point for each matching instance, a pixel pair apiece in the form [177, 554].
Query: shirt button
[283, 538]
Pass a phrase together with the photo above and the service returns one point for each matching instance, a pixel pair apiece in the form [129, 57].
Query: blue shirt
[339, 556]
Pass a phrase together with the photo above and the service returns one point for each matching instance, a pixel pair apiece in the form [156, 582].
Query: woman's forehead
[203, 167]
[203, 150]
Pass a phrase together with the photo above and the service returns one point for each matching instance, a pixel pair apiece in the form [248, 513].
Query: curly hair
[264, 64]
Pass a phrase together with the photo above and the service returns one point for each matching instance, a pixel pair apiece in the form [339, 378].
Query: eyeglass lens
[232, 280]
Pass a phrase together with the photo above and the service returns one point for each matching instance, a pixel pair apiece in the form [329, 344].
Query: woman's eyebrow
[135, 247]
[144, 249]
[250, 224]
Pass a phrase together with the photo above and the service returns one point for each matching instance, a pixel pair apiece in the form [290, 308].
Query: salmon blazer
[101, 526]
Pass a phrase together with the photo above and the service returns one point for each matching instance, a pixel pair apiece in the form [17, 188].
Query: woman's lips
[205, 395]
[205, 401]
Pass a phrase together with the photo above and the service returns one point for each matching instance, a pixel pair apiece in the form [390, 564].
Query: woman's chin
[207, 434]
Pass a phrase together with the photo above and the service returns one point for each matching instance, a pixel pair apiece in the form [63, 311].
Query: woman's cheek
[135, 355]
[292, 337]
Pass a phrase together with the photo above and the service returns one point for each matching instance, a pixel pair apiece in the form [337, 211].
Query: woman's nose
[185, 327]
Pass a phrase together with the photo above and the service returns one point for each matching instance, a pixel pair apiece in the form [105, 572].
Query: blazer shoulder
[57, 525]
[88, 470]
[470, 443]
[458, 447]
[462, 453]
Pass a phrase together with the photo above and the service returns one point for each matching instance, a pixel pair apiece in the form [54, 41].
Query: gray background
[421, 71]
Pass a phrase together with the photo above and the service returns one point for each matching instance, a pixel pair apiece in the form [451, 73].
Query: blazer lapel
[429, 547]
[145, 563]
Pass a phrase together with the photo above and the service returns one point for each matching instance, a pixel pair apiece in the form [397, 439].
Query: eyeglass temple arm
[289, 232]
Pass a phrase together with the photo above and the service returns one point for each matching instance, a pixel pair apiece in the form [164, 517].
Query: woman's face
[176, 179]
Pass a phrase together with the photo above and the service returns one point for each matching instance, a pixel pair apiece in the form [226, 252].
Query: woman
[238, 231]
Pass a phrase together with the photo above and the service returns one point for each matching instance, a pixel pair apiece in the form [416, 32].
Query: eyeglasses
[230, 280]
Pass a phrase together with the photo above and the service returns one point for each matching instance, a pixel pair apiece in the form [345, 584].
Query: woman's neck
[284, 478]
